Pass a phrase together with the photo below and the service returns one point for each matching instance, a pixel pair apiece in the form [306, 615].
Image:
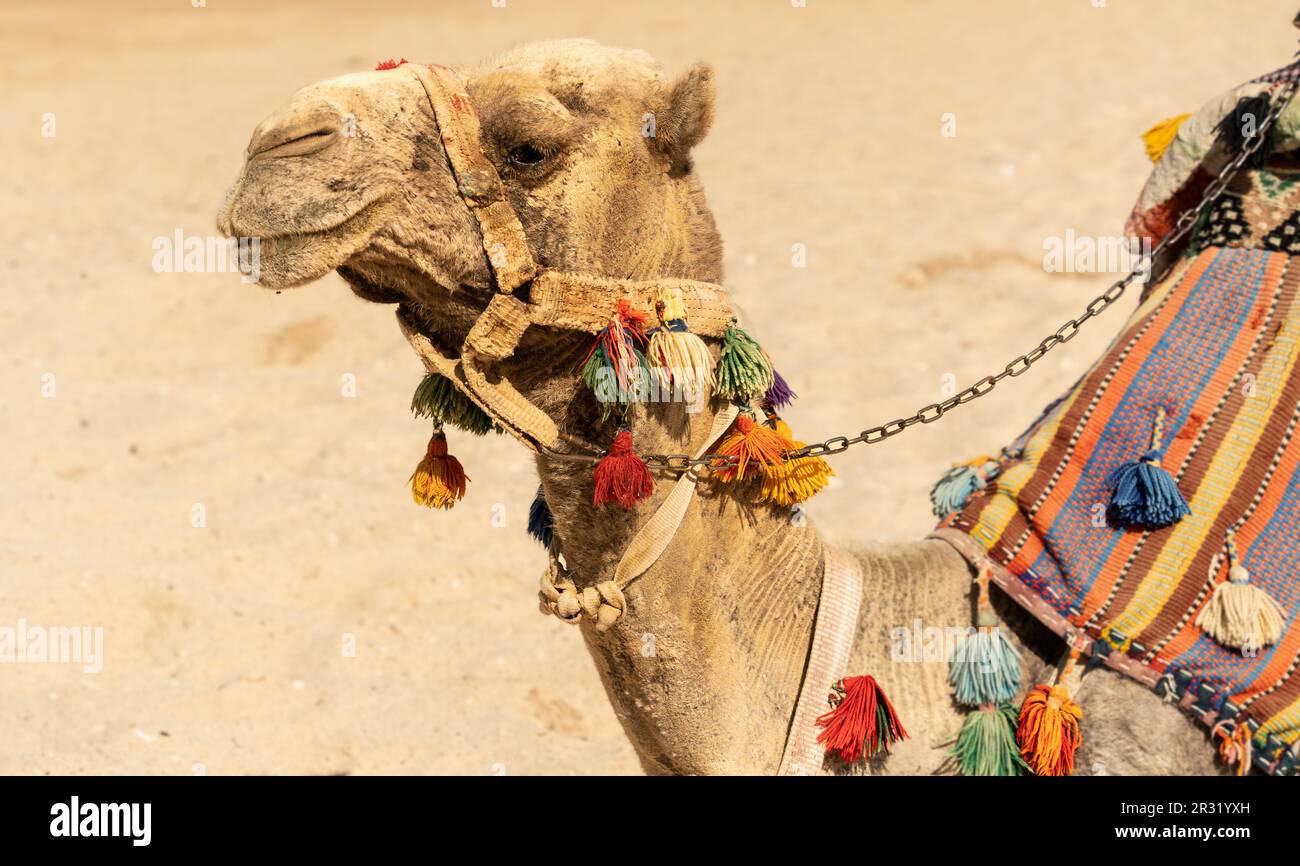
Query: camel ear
[687, 116]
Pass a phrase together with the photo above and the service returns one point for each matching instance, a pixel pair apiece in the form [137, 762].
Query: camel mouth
[295, 235]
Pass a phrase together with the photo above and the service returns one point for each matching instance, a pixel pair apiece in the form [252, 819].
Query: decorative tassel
[1048, 728]
[439, 480]
[621, 476]
[986, 745]
[540, 523]
[1240, 614]
[675, 354]
[754, 447]
[1234, 744]
[437, 397]
[1143, 495]
[390, 64]
[955, 488]
[780, 394]
[861, 723]
[616, 361]
[1237, 129]
[1158, 138]
[743, 367]
[985, 667]
[792, 481]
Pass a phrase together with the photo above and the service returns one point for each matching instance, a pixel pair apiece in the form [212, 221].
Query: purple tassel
[779, 395]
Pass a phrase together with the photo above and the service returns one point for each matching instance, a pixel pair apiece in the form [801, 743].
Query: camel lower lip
[309, 233]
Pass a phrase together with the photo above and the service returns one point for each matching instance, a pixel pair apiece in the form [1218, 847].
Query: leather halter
[579, 302]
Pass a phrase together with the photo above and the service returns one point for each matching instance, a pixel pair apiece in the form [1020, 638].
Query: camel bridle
[577, 302]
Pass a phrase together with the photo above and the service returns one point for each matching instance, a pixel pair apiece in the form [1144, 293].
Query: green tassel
[987, 744]
[437, 397]
[743, 367]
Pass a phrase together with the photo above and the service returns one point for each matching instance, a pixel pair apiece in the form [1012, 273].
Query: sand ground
[132, 400]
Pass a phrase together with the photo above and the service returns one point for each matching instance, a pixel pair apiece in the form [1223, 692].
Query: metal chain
[1018, 365]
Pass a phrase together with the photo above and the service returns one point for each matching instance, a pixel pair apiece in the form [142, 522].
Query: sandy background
[224, 645]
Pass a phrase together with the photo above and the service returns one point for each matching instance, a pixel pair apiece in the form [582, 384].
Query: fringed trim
[676, 355]
[1158, 138]
[1240, 614]
[792, 481]
[1235, 749]
[1143, 495]
[1239, 128]
[986, 745]
[621, 476]
[1048, 728]
[541, 525]
[439, 481]
[985, 667]
[437, 397]
[753, 447]
[615, 368]
[744, 370]
[779, 395]
[955, 488]
[861, 723]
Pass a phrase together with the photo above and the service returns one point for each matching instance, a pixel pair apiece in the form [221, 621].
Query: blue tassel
[985, 668]
[540, 523]
[955, 488]
[1143, 495]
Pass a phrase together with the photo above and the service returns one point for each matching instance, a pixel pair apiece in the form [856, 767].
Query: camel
[731, 602]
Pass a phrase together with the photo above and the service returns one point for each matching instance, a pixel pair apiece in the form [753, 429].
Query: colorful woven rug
[1215, 347]
[1210, 364]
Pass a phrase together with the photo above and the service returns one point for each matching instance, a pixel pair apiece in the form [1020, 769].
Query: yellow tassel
[797, 480]
[439, 480]
[1241, 615]
[1158, 138]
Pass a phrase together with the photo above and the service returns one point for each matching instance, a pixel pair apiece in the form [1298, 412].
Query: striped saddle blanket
[1209, 363]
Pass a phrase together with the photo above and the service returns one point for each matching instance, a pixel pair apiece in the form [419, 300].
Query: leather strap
[649, 544]
[835, 628]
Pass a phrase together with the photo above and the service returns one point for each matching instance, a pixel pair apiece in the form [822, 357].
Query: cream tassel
[1239, 614]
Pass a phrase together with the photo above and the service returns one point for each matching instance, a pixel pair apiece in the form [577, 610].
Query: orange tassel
[754, 446]
[621, 476]
[1234, 745]
[439, 480]
[861, 723]
[1048, 732]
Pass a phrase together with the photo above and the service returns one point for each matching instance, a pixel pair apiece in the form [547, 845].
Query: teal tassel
[743, 367]
[437, 397]
[987, 743]
[1143, 495]
[985, 668]
[955, 488]
[540, 523]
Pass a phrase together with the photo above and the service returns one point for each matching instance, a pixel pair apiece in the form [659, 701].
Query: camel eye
[526, 155]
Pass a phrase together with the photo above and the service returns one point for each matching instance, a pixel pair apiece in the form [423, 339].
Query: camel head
[592, 143]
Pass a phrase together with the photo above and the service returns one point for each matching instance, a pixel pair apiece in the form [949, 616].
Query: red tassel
[621, 476]
[862, 723]
[389, 64]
